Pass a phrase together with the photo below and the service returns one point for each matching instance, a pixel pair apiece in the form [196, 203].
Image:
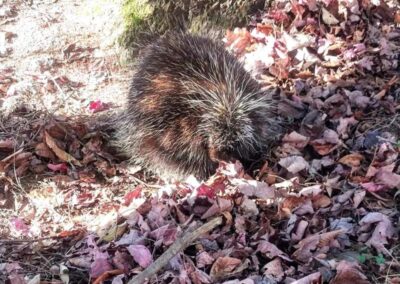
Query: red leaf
[97, 106]
[136, 193]
[100, 265]
[141, 255]
[58, 167]
[20, 226]
[205, 190]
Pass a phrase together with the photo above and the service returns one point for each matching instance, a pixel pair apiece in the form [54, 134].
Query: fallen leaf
[291, 203]
[223, 266]
[294, 164]
[321, 201]
[296, 139]
[141, 255]
[349, 273]
[122, 261]
[352, 160]
[381, 234]
[204, 259]
[42, 150]
[58, 167]
[314, 278]
[20, 226]
[389, 179]
[313, 244]
[274, 269]
[61, 154]
[7, 144]
[271, 251]
[328, 18]
[100, 265]
[97, 106]
[256, 188]
[136, 193]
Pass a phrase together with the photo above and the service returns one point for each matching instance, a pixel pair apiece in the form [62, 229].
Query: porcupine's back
[190, 105]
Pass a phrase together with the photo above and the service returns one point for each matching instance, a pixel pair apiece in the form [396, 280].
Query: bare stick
[177, 246]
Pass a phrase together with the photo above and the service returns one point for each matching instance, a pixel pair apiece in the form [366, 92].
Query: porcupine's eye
[220, 150]
[221, 154]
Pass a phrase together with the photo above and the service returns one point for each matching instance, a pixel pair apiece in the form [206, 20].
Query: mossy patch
[136, 15]
[198, 16]
[135, 12]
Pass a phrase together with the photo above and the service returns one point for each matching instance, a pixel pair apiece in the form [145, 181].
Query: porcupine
[190, 105]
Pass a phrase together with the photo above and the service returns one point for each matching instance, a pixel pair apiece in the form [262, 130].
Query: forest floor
[324, 208]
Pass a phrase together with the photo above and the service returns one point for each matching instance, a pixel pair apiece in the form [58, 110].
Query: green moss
[135, 12]
[146, 17]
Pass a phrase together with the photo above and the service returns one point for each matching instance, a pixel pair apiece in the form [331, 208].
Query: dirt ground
[57, 59]
[70, 42]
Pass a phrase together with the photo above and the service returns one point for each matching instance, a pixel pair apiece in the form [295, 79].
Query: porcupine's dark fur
[190, 105]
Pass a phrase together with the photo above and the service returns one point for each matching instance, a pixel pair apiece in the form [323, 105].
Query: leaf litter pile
[324, 208]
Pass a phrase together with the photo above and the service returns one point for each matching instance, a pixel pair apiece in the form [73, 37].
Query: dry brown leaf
[22, 158]
[397, 21]
[290, 203]
[61, 154]
[352, 160]
[271, 250]
[220, 205]
[204, 259]
[274, 268]
[311, 191]
[22, 168]
[323, 149]
[358, 197]
[328, 18]
[382, 233]
[256, 188]
[294, 164]
[223, 266]
[387, 178]
[312, 245]
[56, 130]
[42, 150]
[349, 273]
[300, 231]
[7, 144]
[315, 278]
[326, 238]
[296, 139]
[321, 201]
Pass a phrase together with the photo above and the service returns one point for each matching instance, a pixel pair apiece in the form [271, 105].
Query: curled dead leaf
[294, 164]
[289, 204]
[328, 18]
[349, 272]
[314, 244]
[7, 144]
[315, 278]
[321, 201]
[44, 151]
[223, 266]
[61, 154]
[352, 160]
[383, 231]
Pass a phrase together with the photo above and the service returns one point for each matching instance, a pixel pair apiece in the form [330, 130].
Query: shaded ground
[71, 43]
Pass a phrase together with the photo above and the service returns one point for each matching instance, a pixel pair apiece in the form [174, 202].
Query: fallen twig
[176, 247]
[103, 277]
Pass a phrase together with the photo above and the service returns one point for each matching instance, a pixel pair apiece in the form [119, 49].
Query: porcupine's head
[237, 118]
